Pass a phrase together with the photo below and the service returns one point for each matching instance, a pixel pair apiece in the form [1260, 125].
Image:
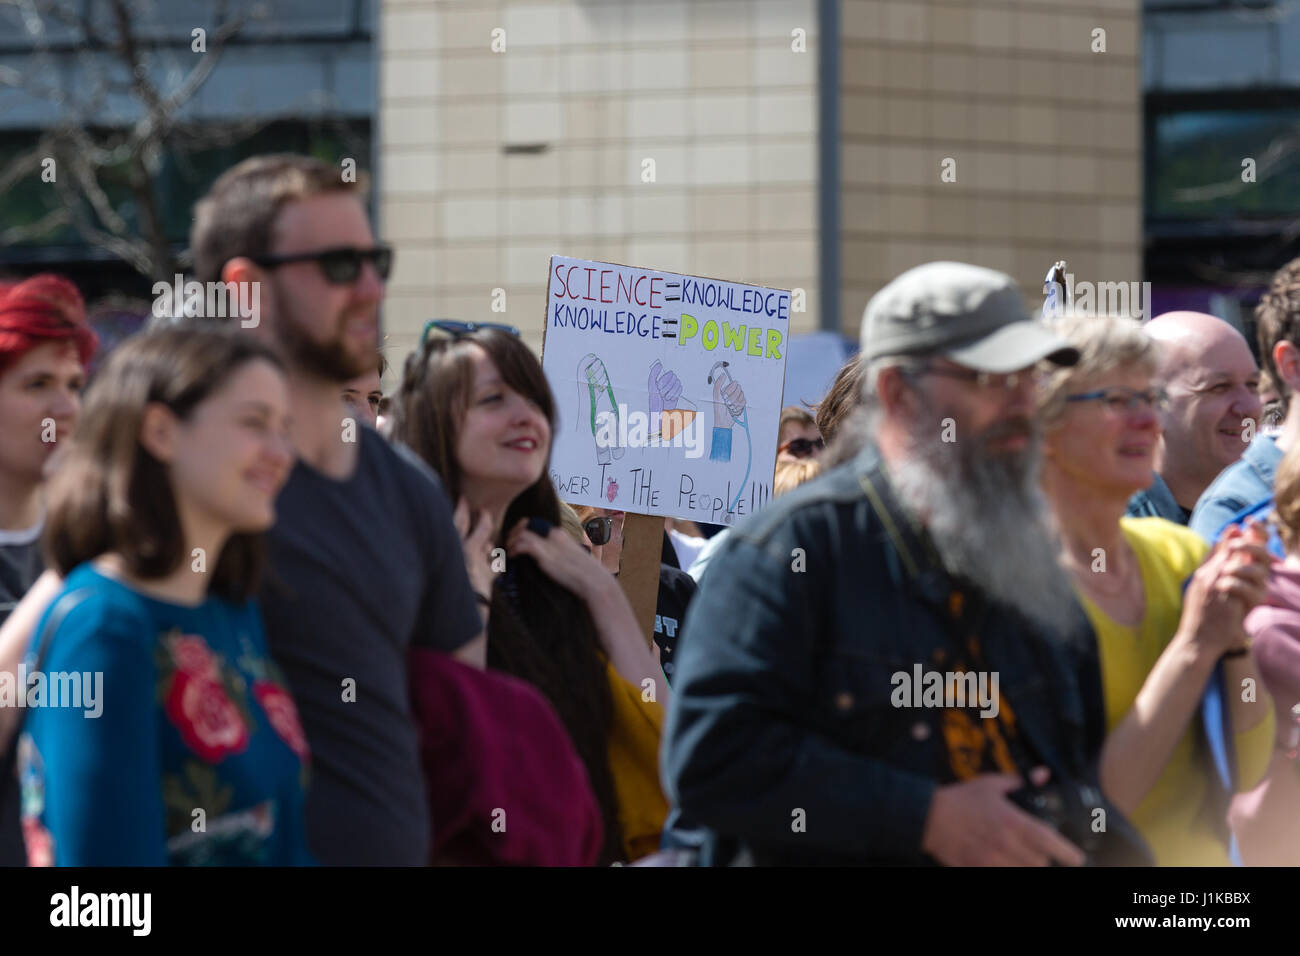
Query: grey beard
[990, 524]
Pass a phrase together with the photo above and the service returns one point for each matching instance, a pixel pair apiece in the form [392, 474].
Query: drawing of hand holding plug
[728, 410]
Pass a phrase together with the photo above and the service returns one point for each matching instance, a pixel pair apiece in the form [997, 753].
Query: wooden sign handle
[643, 539]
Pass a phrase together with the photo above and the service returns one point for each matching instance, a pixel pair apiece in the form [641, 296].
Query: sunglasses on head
[457, 329]
[599, 530]
[803, 447]
[340, 266]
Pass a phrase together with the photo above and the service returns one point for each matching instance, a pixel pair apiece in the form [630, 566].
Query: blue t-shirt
[164, 735]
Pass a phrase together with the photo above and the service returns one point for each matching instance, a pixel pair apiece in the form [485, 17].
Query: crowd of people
[1027, 593]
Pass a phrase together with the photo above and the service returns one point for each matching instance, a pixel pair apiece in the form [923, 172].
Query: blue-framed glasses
[458, 329]
[1120, 399]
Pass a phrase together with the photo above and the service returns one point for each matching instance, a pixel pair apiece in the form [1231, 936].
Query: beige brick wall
[711, 90]
[1046, 135]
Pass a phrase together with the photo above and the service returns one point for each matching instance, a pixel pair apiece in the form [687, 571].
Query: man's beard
[329, 361]
[989, 520]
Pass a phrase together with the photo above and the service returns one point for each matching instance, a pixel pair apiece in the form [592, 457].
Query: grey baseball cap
[968, 314]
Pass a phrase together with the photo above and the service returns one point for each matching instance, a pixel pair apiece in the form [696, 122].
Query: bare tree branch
[93, 161]
[130, 252]
[54, 219]
[21, 166]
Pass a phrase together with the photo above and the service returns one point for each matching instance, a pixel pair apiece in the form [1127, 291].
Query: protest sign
[669, 389]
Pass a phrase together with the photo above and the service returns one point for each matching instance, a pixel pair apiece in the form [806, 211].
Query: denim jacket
[1246, 482]
[1157, 502]
[782, 696]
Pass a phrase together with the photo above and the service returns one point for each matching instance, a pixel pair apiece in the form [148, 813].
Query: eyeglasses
[1004, 382]
[599, 530]
[1120, 399]
[457, 329]
[339, 266]
[803, 447]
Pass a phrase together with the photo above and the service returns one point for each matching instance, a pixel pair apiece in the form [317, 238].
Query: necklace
[1090, 579]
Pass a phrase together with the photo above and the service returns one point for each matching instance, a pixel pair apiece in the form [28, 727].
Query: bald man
[1213, 408]
[1246, 487]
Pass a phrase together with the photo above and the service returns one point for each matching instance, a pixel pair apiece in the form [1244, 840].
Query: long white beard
[990, 524]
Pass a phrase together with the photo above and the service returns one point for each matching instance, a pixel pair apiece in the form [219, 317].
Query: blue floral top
[158, 734]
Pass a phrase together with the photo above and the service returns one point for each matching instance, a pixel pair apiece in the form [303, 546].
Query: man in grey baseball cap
[970, 315]
[799, 727]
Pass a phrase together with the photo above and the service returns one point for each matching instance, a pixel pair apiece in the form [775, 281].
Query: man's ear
[242, 269]
[892, 390]
[247, 274]
[1286, 357]
[158, 431]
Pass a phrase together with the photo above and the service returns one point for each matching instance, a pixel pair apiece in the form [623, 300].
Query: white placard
[669, 389]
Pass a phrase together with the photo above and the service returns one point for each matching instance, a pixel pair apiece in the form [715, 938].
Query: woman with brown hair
[474, 403]
[154, 521]
[842, 407]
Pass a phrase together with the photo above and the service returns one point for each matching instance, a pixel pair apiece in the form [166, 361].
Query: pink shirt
[1274, 629]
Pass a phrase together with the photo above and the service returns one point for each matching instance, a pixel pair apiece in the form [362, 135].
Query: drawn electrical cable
[733, 397]
[592, 373]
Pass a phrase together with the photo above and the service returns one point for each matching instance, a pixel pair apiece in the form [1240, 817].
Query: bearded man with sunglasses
[293, 225]
[805, 727]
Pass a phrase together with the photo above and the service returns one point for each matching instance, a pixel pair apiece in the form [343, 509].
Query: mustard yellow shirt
[1174, 815]
[634, 763]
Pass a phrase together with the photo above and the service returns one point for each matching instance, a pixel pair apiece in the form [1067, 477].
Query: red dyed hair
[44, 308]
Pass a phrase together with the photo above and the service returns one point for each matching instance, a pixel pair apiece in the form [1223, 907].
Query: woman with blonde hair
[1158, 644]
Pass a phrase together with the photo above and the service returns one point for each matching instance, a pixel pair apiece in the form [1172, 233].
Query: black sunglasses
[803, 447]
[599, 530]
[457, 329]
[339, 266]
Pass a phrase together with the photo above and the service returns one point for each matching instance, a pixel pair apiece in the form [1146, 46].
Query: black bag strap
[62, 605]
[914, 547]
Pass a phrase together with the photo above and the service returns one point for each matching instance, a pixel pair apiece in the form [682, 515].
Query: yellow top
[1174, 816]
[634, 763]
